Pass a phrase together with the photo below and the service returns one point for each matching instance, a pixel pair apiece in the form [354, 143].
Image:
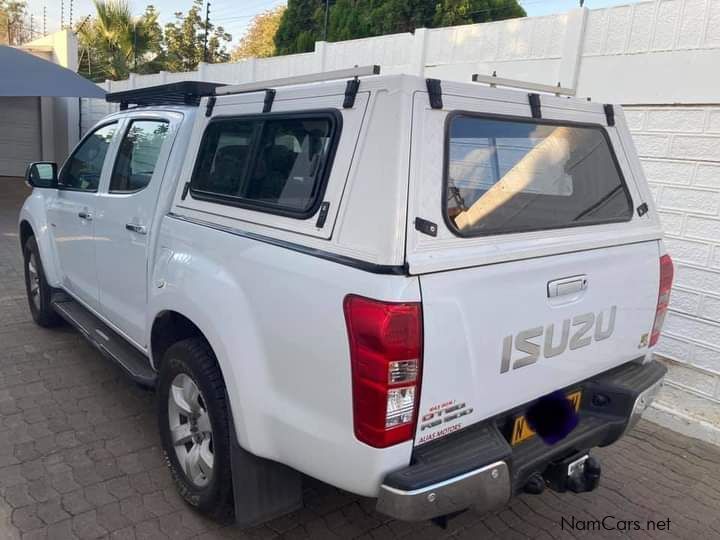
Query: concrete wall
[660, 59]
[653, 52]
[59, 116]
[680, 150]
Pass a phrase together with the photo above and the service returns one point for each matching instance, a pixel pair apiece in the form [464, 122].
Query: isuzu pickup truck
[437, 294]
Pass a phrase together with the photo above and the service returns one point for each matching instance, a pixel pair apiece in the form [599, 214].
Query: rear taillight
[666, 278]
[386, 355]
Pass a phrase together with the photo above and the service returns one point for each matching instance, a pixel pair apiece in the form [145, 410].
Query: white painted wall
[661, 60]
[680, 150]
[59, 115]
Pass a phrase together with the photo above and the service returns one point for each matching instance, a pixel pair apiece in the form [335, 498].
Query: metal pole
[44, 20]
[70, 18]
[62, 14]
[207, 30]
[327, 14]
[32, 23]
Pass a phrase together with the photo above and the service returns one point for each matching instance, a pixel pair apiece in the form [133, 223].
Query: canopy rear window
[507, 176]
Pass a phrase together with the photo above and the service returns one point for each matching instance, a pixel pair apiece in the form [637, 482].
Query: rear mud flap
[262, 489]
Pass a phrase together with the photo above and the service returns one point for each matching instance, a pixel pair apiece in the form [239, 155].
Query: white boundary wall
[660, 59]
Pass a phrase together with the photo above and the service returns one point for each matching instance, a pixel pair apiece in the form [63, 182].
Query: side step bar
[106, 340]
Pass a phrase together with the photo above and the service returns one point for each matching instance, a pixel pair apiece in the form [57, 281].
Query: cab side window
[290, 154]
[82, 170]
[225, 159]
[138, 155]
[277, 164]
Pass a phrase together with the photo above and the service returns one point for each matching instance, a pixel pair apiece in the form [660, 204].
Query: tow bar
[574, 473]
[578, 473]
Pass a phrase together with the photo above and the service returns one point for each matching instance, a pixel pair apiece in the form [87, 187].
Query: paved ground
[79, 457]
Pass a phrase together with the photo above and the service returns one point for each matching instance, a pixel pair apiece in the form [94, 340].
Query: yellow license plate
[522, 430]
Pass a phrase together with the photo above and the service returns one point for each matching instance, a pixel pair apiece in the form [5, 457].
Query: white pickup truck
[438, 294]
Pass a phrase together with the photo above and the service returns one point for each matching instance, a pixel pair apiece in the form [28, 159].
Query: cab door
[71, 213]
[126, 207]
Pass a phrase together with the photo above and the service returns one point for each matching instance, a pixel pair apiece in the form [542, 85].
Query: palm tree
[114, 43]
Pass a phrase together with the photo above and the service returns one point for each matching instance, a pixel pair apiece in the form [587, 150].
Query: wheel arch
[168, 328]
[26, 231]
[171, 325]
[33, 222]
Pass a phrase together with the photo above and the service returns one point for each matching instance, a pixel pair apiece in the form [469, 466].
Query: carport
[35, 95]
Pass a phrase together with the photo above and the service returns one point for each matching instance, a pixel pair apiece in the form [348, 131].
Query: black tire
[39, 293]
[194, 358]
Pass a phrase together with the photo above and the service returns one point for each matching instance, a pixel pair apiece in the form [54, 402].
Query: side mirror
[42, 174]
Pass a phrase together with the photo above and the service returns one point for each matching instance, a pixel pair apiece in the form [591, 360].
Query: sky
[234, 15]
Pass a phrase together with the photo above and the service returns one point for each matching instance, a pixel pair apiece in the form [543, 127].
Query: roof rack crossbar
[493, 81]
[337, 74]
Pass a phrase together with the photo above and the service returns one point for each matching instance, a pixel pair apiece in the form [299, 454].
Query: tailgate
[501, 335]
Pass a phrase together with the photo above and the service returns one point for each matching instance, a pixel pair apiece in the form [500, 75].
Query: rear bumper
[476, 467]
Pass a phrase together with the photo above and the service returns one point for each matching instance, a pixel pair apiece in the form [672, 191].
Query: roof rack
[190, 92]
[493, 80]
[354, 72]
[178, 93]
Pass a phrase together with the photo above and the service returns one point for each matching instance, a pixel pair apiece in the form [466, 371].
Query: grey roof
[23, 74]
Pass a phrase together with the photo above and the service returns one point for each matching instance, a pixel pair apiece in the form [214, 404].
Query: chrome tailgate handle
[565, 286]
[139, 229]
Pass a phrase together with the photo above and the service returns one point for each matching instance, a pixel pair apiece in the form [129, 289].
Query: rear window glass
[276, 164]
[506, 176]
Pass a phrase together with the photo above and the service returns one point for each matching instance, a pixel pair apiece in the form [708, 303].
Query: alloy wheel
[191, 430]
[34, 279]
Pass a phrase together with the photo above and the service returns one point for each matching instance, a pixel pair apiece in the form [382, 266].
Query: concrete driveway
[80, 457]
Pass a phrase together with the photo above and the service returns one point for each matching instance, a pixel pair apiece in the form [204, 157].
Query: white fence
[660, 59]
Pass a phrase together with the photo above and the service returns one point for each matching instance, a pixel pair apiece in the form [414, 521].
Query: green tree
[259, 40]
[113, 42]
[185, 41]
[455, 12]
[304, 20]
[14, 29]
[299, 28]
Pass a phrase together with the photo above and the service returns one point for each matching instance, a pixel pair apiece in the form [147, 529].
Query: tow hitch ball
[576, 473]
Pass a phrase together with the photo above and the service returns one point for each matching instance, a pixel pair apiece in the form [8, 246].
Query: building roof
[24, 74]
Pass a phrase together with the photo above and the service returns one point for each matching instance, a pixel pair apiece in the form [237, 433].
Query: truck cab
[438, 294]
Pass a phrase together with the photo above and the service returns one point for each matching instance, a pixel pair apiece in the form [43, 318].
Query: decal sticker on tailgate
[444, 418]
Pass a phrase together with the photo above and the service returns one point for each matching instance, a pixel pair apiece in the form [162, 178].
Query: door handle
[566, 286]
[87, 216]
[139, 229]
